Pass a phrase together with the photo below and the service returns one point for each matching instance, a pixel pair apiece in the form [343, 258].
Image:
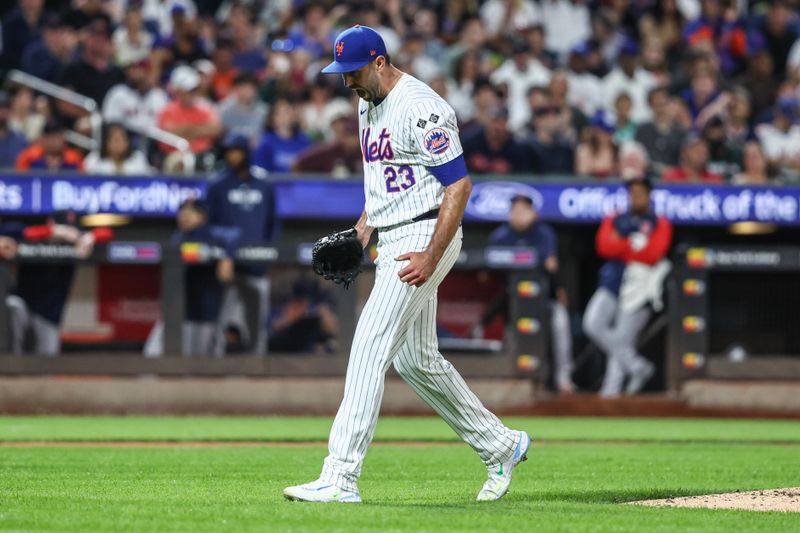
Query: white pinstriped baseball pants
[398, 325]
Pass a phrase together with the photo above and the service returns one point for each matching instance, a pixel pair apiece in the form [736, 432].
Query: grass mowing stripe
[389, 429]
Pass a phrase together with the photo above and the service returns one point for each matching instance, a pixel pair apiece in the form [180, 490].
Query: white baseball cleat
[320, 491]
[500, 475]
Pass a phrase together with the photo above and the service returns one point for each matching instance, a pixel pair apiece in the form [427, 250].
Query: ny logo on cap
[339, 48]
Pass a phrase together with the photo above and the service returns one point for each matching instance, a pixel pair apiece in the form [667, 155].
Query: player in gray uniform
[416, 187]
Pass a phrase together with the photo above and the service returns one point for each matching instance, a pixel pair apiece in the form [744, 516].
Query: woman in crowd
[116, 156]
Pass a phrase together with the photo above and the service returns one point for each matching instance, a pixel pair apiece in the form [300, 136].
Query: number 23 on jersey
[398, 179]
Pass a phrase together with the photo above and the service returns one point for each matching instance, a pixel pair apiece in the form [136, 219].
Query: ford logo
[491, 200]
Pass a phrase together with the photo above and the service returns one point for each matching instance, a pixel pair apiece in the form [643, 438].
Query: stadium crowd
[682, 90]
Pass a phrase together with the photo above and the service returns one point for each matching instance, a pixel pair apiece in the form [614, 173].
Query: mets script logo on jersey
[437, 141]
[380, 150]
[339, 48]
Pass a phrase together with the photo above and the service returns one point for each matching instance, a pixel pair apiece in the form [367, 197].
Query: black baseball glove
[338, 257]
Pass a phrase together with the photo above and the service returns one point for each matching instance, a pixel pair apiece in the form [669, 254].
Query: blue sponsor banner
[578, 202]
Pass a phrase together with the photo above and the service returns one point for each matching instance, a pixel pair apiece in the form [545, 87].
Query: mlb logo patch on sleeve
[437, 141]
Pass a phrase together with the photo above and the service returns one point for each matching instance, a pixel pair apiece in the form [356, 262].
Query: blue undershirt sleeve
[450, 172]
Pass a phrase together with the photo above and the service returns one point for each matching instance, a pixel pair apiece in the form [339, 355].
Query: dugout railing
[523, 352]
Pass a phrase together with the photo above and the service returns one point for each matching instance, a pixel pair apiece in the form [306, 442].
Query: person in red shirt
[693, 167]
[634, 244]
[50, 153]
[189, 116]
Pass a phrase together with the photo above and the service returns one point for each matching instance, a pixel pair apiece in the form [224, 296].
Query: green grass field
[579, 473]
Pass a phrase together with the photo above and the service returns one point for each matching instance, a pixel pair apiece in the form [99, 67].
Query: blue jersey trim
[450, 172]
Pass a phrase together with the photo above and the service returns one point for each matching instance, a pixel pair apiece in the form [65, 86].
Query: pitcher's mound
[785, 500]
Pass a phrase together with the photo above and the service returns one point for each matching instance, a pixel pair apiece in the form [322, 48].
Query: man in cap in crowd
[188, 115]
[244, 205]
[138, 101]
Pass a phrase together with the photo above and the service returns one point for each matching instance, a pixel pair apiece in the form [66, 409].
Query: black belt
[430, 215]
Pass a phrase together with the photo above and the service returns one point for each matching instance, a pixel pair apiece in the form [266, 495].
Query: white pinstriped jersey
[409, 130]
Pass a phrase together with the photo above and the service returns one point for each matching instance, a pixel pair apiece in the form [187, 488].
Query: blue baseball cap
[354, 48]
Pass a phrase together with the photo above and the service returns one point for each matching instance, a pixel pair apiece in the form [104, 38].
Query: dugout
[734, 313]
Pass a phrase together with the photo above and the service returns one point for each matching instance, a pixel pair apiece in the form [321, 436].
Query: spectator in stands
[584, 87]
[314, 31]
[780, 32]
[701, 94]
[756, 169]
[693, 166]
[503, 18]
[242, 113]
[633, 161]
[203, 286]
[224, 71]
[596, 155]
[571, 120]
[720, 29]
[116, 155]
[50, 153]
[137, 103]
[83, 12]
[664, 22]
[322, 106]
[189, 116]
[46, 57]
[471, 39]
[493, 150]
[634, 245]
[306, 322]
[486, 99]
[724, 158]
[553, 149]
[92, 74]
[20, 27]
[525, 229]
[28, 114]
[628, 76]
[535, 37]
[132, 42]
[736, 116]
[625, 128]
[11, 142]
[662, 136]
[183, 47]
[759, 80]
[461, 87]
[161, 14]
[283, 141]
[566, 24]
[518, 74]
[248, 53]
[38, 300]
[340, 157]
[245, 205]
[781, 137]
[205, 90]
[414, 59]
